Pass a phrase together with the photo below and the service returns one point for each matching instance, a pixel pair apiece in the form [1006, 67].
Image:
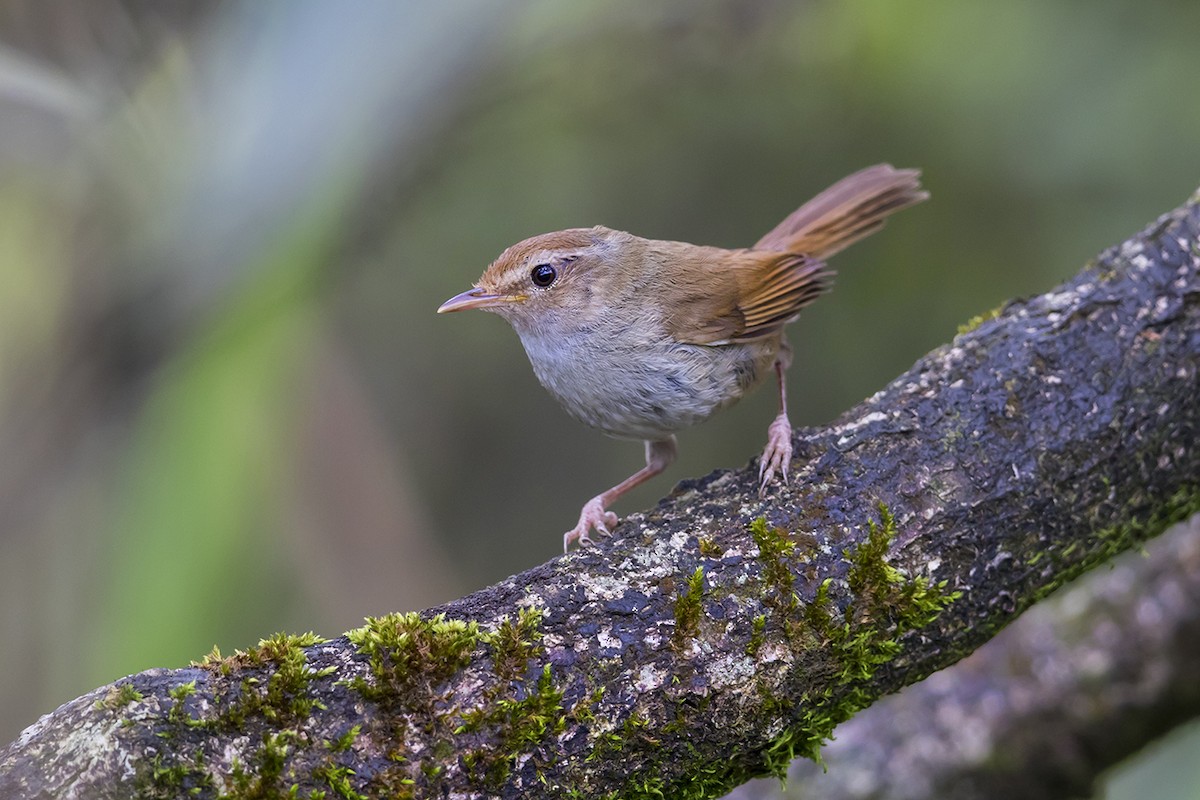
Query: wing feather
[760, 290]
[763, 291]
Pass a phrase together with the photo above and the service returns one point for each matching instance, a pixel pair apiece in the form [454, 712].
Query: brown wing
[761, 292]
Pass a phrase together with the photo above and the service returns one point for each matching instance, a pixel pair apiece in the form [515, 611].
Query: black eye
[543, 275]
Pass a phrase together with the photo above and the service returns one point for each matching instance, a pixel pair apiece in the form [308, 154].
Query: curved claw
[777, 455]
[574, 535]
[592, 517]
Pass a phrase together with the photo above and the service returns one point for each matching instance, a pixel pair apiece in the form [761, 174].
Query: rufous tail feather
[854, 207]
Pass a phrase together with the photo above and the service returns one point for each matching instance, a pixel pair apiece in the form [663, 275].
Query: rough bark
[1075, 686]
[719, 634]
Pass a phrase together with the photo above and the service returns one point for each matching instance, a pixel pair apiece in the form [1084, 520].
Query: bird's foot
[777, 455]
[593, 516]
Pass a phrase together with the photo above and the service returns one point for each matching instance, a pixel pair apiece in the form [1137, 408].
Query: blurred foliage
[226, 405]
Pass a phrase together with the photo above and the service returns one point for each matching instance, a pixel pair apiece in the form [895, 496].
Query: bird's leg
[595, 512]
[777, 455]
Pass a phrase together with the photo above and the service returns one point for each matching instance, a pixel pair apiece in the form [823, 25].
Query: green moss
[337, 778]
[271, 650]
[844, 634]
[1107, 541]
[176, 713]
[634, 729]
[818, 614]
[584, 711]
[170, 782]
[285, 696]
[277, 690]
[405, 653]
[182, 691]
[757, 635]
[260, 780]
[392, 782]
[410, 657]
[409, 654]
[774, 547]
[118, 696]
[515, 643]
[710, 549]
[517, 725]
[880, 606]
[215, 662]
[870, 577]
[708, 779]
[861, 629]
[976, 321]
[688, 608]
[345, 741]
[634, 724]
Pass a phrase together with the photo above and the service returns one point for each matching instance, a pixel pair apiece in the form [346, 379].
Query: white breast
[631, 385]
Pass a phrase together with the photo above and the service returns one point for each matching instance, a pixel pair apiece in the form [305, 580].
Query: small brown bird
[642, 338]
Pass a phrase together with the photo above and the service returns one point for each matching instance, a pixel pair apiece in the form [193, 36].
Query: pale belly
[647, 392]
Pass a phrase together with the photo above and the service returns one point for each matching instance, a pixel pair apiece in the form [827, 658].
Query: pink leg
[595, 512]
[777, 455]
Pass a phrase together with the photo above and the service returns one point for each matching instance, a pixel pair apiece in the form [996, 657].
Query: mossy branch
[718, 635]
[1075, 686]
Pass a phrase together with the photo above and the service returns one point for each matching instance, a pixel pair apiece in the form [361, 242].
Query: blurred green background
[226, 404]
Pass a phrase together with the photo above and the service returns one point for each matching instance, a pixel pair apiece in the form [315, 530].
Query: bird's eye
[543, 275]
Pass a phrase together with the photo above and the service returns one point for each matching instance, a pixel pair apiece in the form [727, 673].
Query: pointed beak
[476, 298]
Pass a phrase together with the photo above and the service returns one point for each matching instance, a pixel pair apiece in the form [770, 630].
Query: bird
[642, 338]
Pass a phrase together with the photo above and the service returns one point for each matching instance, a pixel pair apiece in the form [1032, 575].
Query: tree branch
[717, 635]
[1071, 689]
